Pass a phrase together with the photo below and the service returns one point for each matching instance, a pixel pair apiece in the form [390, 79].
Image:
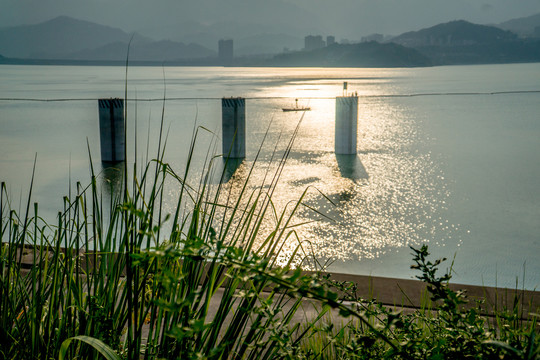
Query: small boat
[296, 108]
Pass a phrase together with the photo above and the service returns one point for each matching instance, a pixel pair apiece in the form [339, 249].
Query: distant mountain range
[461, 42]
[526, 27]
[71, 39]
[454, 33]
[56, 38]
[68, 40]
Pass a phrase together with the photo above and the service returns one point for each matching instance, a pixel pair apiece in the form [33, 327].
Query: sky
[342, 18]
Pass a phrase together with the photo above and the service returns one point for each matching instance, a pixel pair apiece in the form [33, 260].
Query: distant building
[330, 40]
[225, 52]
[373, 37]
[312, 42]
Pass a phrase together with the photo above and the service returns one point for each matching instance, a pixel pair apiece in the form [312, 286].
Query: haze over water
[456, 166]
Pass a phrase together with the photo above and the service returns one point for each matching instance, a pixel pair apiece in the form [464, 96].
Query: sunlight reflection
[388, 196]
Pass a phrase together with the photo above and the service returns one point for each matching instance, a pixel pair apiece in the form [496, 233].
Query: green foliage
[445, 331]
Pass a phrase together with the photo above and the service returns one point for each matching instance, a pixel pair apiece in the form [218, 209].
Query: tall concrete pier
[111, 130]
[233, 112]
[346, 124]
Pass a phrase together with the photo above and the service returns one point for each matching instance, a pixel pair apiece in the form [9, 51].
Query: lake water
[456, 166]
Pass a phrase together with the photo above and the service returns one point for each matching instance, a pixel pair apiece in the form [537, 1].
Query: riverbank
[392, 292]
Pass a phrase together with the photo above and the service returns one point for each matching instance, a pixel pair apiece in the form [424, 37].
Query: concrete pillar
[346, 124]
[233, 115]
[111, 130]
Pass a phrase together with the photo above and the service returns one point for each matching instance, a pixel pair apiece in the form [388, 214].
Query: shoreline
[211, 63]
[393, 292]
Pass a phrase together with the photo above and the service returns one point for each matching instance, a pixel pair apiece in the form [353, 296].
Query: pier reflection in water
[111, 177]
[351, 167]
[230, 169]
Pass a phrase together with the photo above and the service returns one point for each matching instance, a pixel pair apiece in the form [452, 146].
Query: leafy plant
[443, 329]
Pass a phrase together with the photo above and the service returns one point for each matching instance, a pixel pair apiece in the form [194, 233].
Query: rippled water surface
[443, 156]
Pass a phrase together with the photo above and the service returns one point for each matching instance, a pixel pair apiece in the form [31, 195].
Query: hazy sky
[343, 18]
